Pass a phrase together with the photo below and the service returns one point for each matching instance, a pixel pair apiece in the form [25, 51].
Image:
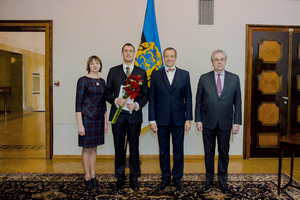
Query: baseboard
[110, 157]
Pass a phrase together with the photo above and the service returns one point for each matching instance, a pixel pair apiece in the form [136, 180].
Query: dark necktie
[127, 71]
[219, 86]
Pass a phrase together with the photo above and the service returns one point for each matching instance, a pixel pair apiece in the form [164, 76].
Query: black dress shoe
[134, 185]
[118, 185]
[206, 186]
[163, 185]
[89, 185]
[95, 183]
[179, 186]
[223, 188]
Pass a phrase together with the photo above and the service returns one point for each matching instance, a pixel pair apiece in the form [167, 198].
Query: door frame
[47, 27]
[248, 80]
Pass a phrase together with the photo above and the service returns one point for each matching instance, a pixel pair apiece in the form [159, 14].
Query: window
[35, 83]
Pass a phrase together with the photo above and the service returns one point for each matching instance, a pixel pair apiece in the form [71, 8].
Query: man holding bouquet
[128, 123]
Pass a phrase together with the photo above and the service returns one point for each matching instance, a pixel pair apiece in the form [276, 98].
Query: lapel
[133, 71]
[213, 82]
[165, 78]
[122, 75]
[226, 82]
[176, 78]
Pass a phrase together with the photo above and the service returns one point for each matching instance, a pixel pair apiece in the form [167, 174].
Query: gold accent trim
[145, 129]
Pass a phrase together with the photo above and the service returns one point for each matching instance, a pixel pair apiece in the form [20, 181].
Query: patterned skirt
[94, 132]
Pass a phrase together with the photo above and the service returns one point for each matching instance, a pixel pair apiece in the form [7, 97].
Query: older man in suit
[130, 120]
[217, 114]
[170, 111]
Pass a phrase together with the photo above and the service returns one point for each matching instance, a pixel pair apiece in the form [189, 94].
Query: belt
[125, 111]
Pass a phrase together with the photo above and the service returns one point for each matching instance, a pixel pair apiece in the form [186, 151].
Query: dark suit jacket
[115, 78]
[210, 109]
[165, 98]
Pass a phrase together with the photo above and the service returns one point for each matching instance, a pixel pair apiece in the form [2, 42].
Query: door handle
[285, 98]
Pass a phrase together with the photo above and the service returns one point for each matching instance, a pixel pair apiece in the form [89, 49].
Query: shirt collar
[166, 68]
[222, 73]
[130, 66]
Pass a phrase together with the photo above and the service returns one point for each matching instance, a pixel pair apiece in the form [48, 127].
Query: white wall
[101, 27]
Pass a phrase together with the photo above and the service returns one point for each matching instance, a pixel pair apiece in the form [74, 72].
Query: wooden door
[272, 104]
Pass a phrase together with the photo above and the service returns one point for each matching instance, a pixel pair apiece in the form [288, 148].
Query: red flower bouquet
[131, 89]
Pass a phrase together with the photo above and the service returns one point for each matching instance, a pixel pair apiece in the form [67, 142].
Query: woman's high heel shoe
[95, 183]
[89, 185]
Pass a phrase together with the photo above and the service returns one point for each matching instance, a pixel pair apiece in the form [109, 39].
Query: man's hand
[154, 127]
[187, 126]
[131, 106]
[121, 102]
[235, 129]
[199, 126]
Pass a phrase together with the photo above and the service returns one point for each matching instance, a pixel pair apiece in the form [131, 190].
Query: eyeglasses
[130, 51]
[217, 60]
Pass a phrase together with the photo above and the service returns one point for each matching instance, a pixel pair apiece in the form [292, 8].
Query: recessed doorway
[36, 119]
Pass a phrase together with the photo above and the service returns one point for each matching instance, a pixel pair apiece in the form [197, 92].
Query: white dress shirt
[170, 74]
[125, 66]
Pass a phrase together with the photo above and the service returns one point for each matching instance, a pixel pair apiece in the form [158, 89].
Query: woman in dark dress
[91, 118]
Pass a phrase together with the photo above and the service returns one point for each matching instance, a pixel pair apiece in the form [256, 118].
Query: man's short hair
[128, 44]
[218, 51]
[170, 48]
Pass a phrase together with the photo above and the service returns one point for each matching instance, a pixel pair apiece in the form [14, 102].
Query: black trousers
[163, 134]
[120, 130]
[209, 140]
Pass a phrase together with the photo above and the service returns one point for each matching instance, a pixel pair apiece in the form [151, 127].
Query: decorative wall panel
[268, 114]
[270, 51]
[269, 82]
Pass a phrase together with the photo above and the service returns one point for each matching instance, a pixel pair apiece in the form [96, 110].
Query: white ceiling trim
[21, 45]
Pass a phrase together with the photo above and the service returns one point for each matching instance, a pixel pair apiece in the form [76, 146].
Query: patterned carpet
[71, 186]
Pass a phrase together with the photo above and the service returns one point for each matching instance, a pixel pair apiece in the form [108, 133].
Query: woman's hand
[81, 130]
[105, 128]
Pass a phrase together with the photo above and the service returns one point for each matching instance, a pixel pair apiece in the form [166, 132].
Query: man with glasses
[130, 120]
[217, 114]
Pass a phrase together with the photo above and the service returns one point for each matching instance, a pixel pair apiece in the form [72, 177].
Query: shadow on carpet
[71, 186]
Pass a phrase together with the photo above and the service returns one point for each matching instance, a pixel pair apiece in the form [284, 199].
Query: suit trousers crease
[209, 140]
[120, 130]
[177, 133]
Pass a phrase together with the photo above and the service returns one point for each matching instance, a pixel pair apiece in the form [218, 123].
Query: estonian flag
[149, 55]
